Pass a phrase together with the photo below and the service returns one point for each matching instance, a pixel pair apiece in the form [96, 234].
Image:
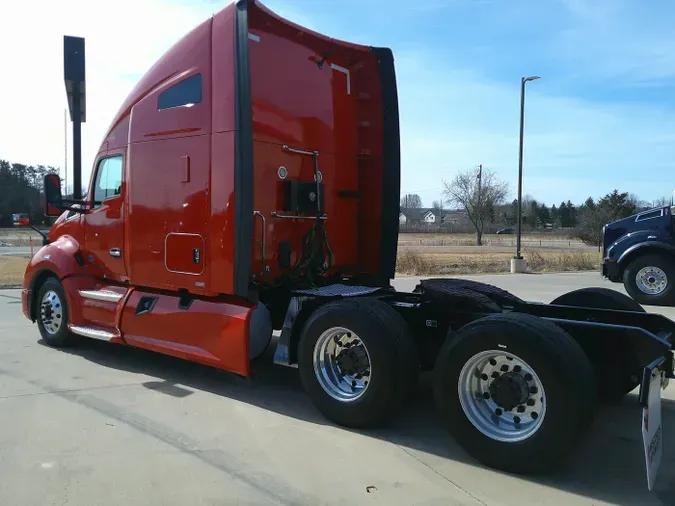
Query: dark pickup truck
[640, 252]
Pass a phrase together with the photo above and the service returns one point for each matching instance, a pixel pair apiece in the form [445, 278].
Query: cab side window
[108, 179]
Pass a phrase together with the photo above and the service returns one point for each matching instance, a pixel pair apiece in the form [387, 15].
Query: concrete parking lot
[102, 424]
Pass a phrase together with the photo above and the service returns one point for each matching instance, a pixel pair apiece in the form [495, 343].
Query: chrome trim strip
[92, 332]
[103, 295]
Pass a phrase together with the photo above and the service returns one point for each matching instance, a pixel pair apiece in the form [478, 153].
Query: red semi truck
[250, 183]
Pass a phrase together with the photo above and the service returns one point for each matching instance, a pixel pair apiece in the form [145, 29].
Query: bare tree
[477, 196]
[411, 201]
[661, 202]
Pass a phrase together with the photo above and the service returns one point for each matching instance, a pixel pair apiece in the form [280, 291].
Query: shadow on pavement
[607, 466]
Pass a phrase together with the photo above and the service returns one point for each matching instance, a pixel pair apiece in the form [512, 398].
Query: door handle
[115, 252]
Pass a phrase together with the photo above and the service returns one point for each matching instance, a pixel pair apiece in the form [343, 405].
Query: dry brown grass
[416, 263]
[462, 236]
[20, 236]
[16, 231]
[528, 240]
[11, 270]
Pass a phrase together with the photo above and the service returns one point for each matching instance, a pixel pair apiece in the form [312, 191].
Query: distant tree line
[483, 201]
[21, 190]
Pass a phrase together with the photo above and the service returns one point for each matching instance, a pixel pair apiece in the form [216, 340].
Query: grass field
[435, 236]
[528, 240]
[416, 263]
[17, 232]
[11, 270]
[20, 236]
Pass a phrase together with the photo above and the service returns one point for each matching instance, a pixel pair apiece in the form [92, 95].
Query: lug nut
[498, 412]
[530, 402]
[516, 420]
[521, 409]
[534, 415]
[505, 368]
[495, 374]
[516, 368]
[493, 362]
[533, 390]
[528, 377]
[486, 395]
[484, 377]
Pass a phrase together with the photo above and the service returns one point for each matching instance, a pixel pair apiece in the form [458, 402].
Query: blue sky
[601, 117]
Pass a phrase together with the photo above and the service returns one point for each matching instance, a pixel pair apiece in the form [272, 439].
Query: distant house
[456, 217]
[418, 217]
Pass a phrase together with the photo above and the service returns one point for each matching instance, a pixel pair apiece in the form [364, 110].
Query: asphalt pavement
[104, 424]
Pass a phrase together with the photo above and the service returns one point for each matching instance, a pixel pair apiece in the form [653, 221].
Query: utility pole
[440, 224]
[480, 179]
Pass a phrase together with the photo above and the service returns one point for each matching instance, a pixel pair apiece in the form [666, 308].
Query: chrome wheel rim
[502, 396]
[342, 364]
[651, 280]
[51, 312]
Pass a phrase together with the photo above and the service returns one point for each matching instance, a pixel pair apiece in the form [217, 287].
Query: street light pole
[520, 161]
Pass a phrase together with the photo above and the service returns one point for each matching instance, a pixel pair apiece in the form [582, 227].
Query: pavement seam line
[436, 472]
[68, 390]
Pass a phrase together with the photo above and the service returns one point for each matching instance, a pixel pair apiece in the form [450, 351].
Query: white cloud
[628, 40]
[452, 117]
[123, 40]
[452, 120]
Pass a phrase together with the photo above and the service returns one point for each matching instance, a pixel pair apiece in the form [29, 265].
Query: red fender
[61, 259]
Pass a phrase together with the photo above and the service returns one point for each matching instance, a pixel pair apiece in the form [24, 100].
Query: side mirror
[20, 220]
[52, 193]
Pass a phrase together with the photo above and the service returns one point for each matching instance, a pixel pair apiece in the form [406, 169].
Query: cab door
[104, 223]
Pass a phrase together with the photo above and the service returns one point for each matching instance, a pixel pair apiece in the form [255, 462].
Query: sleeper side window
[187, 93]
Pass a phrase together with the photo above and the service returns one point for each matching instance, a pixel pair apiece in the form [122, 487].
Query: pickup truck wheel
[52, 314]
[616, 370]
[357, 361]
[515, 391]
[650, 279]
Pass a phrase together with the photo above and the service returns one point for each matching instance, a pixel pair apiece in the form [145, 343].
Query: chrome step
[102, 295]
[92, 332]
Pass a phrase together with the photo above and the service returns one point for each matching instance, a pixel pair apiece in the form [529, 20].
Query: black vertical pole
[520, 167]
[480, 178]
[74, 78]
[77, 144]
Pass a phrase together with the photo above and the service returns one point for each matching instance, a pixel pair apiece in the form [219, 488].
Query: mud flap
[653, 380]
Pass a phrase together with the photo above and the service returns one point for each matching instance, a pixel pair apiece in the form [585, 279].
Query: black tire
[616, 371]
[601, 298]
[62, 337]
[393, 356]
[451, 286]
[565, 373]
[662, 262]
